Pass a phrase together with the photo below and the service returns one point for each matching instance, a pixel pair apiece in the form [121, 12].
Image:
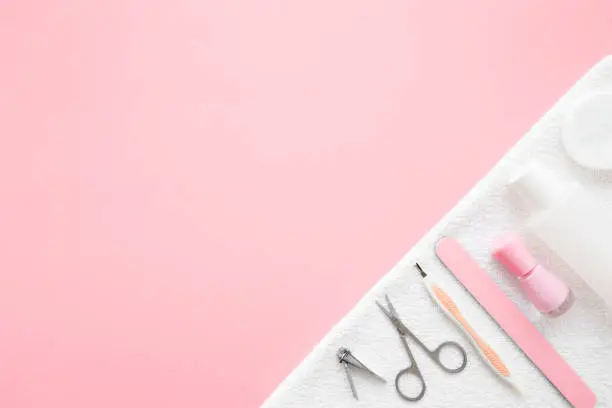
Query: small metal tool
[434, 355]
[347, 359]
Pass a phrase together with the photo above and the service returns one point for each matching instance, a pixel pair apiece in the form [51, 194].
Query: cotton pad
[587, 132]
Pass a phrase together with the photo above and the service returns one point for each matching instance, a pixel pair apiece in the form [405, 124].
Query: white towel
[583, 336]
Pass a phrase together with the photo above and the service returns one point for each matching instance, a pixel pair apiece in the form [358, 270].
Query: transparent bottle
[571, 222]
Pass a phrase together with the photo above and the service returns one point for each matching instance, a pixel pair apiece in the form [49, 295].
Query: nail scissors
[434, 355]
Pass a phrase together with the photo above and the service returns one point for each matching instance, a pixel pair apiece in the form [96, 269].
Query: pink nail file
[515, 324]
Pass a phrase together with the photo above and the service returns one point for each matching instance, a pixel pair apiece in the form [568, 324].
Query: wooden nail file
[515, 324]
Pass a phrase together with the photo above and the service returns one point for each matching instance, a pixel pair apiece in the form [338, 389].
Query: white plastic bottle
[572, 222]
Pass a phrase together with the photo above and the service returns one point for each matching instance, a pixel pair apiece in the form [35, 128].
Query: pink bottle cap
[511, 252]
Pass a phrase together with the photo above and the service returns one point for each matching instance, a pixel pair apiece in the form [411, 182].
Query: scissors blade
[385, 311]
[392, 315]
[391, 307]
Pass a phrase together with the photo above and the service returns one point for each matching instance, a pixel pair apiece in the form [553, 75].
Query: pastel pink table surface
[193, 192]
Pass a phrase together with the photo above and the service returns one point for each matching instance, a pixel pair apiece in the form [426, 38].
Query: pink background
[193, 192]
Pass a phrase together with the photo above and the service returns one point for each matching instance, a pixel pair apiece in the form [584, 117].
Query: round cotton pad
[587, 132]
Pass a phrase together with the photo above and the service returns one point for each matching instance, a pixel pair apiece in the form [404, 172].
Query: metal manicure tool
[347, 359]
[434, 355]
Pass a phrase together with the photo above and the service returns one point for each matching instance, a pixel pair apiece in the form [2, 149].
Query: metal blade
[350, 379]
[346, 357]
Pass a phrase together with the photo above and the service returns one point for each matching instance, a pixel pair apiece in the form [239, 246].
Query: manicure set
[570, 222]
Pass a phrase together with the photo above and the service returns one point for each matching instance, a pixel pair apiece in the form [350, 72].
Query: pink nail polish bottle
[546, 291]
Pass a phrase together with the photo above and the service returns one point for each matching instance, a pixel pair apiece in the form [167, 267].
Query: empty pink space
[193, 192]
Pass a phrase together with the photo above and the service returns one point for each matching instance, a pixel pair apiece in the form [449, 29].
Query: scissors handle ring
[412, 370]
[435, 355]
